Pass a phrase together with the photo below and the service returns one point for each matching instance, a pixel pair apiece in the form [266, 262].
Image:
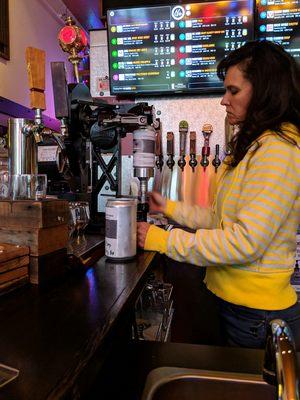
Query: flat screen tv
[174, 48]
[279, 21]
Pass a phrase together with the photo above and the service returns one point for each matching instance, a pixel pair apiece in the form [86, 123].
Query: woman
[247, 239]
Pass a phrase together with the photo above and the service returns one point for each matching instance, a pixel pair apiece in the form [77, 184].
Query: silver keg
[120, 228]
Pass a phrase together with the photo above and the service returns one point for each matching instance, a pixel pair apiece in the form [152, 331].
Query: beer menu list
[174, 48]
[278, 21]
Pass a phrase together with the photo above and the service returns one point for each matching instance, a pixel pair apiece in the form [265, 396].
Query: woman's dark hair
[275, 77]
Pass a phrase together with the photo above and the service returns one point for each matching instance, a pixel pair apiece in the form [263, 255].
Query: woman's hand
[157, 202]
[142, 230]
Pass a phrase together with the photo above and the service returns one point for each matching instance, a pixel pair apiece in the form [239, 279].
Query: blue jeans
[247, 327]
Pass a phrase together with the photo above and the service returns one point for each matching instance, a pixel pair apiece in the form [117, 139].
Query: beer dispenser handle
[170, 150]
[35, 62]
[60, 94]
[207, 130]
[193, 161]
[158, 149]
[183, 129]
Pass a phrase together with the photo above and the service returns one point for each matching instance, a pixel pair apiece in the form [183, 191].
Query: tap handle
[207, 130]
[183, 129]
[170, 144]
[60, 90]
[158, 144]
[158, 150]
[35, 61]
[216, 162]
[192, 142]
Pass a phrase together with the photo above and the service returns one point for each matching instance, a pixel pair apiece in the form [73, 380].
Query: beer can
[120, 228]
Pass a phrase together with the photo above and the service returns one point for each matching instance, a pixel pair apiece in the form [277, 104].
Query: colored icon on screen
[263, 15]
[182, 61]
[262, 28]
[181, 24]
[115, 65]
[116, 77]
[114, 53]
[182, 74]
[114, 41]
[177, 12]
[263, 2]
[113, 29]
[182, 36]
[182, 49]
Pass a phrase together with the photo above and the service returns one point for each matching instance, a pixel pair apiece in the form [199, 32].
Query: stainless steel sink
[193, 384]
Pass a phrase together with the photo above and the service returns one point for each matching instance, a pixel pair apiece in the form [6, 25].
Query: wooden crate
[14, 266]
[33, 214]
[40, 241]
[10, 252]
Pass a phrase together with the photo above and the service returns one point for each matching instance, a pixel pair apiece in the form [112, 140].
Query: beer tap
[170, 150]
[207, 131]
[216, 162]
[158, 149]
[60, 94]
[193, 161]
[24, 135]
[35, 62]
[183, 129]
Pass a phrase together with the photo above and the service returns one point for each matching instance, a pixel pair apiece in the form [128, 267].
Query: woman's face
[237, 96]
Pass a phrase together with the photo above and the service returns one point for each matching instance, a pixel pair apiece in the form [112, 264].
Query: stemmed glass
[72, 220]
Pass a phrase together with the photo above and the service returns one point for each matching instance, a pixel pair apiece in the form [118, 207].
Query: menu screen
[279, 21]
[174, 48]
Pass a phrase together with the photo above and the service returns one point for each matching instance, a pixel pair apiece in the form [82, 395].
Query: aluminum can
[120, 228]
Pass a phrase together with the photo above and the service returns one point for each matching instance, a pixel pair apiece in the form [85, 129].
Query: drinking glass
[4, 185]
[72, 220]
[27, 186]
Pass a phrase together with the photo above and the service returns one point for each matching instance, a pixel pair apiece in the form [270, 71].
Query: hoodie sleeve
[193, 217]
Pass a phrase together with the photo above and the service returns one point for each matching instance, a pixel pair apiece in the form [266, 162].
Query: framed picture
[4, 29]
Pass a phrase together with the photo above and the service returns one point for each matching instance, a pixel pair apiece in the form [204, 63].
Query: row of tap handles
[207, 130]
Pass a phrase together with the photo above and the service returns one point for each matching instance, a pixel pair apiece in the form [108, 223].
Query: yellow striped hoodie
[248, 238]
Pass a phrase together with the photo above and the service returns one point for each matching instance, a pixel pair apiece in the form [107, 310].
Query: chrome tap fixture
[280, 364]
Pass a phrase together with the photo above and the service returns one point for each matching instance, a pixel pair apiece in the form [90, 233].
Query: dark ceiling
[87, 12]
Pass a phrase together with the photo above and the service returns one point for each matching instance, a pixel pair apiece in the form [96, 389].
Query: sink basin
[193, 384]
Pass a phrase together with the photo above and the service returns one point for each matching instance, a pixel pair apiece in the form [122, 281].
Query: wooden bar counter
[59, 336]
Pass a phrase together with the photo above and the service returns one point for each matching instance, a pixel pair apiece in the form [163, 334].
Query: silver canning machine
[89, 158]
[84, 161]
